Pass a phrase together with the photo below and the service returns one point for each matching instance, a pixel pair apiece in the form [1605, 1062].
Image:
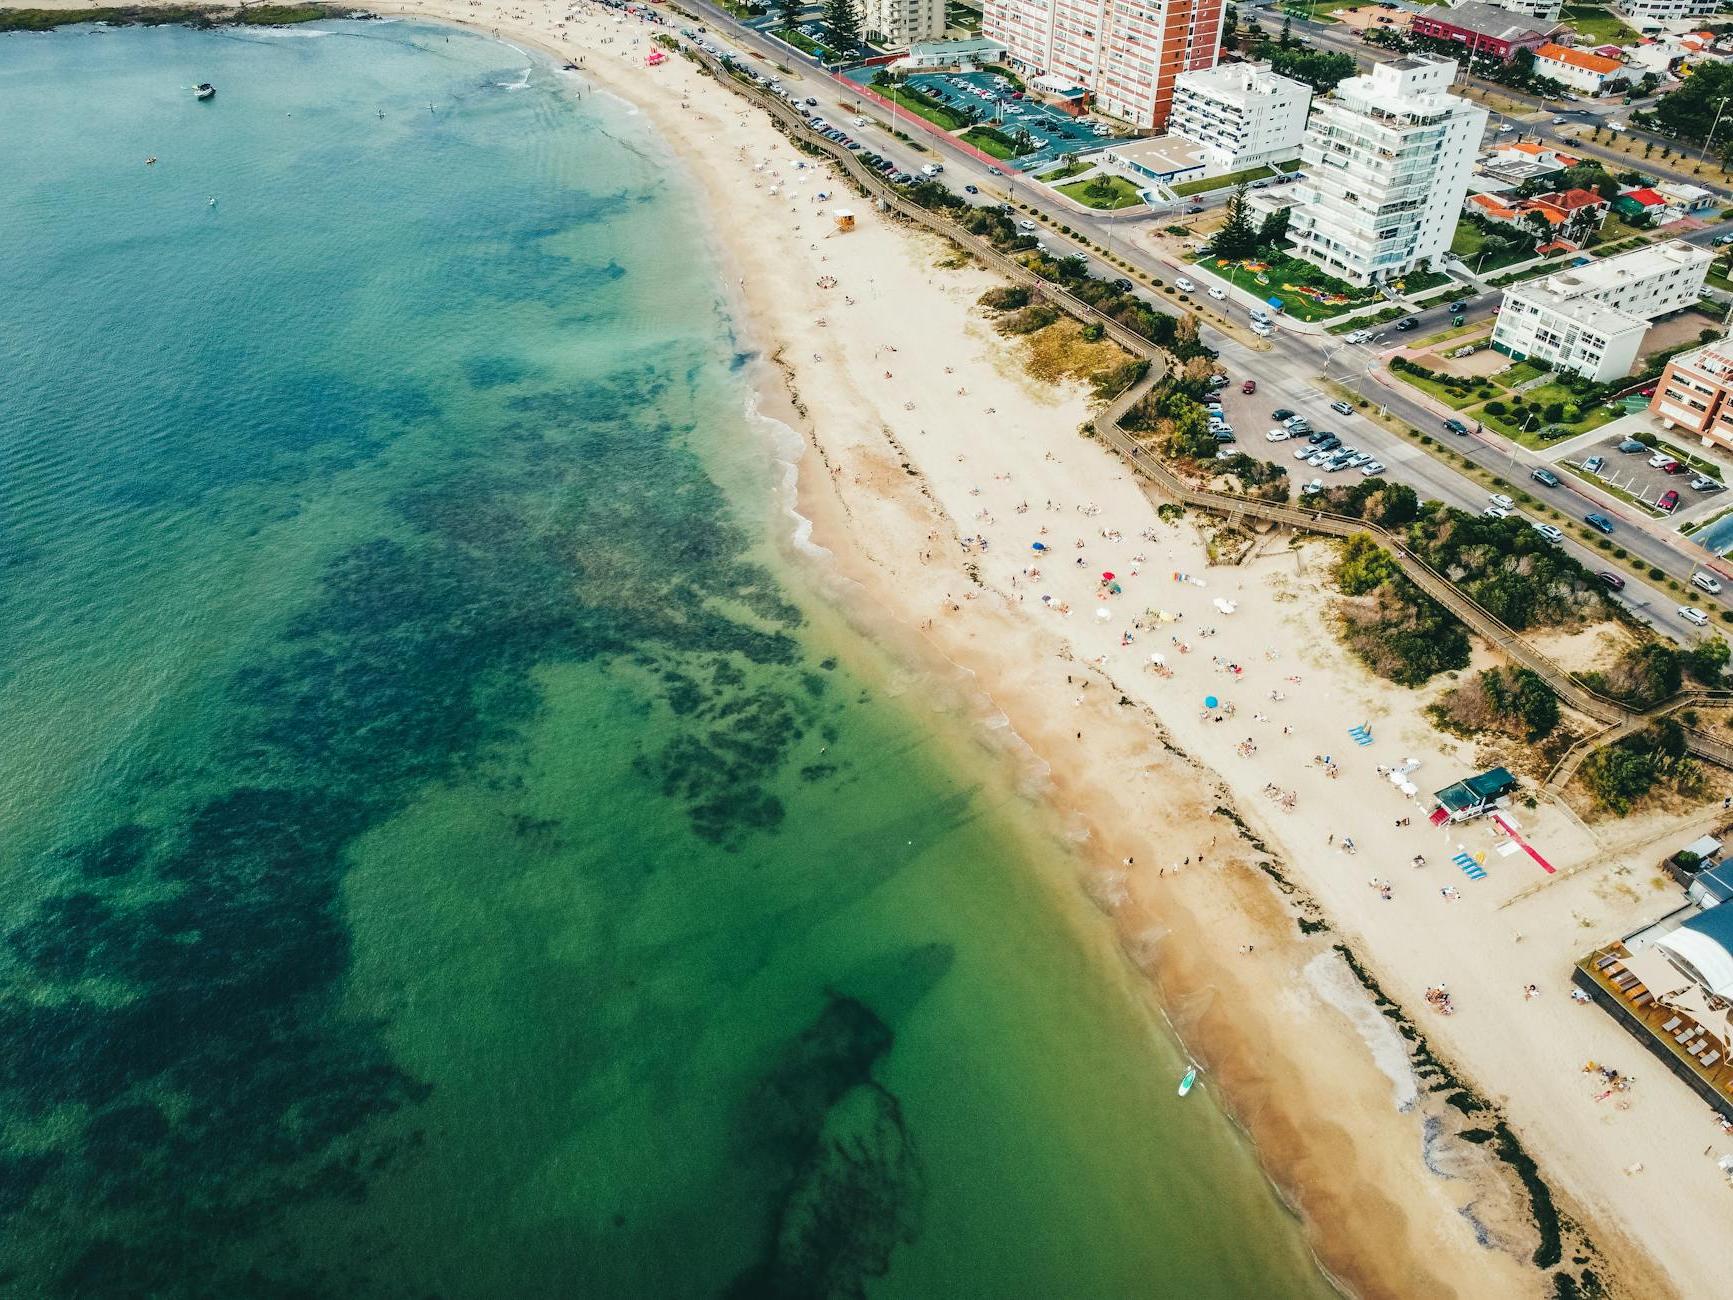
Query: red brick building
[1482, 30]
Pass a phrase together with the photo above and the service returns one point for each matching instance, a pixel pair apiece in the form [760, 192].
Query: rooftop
[1578, 59]
[1240, 79]
[1477, 790]
[1485, 20]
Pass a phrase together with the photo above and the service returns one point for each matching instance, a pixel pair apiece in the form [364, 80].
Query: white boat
[1186, 1083]
[204, 90]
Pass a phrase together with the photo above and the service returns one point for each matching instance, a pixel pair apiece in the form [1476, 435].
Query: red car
[1250, 386]
[1668, 502]
[1612, 580]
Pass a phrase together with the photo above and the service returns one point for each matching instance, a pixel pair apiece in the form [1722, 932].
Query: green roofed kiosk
[1474, 797]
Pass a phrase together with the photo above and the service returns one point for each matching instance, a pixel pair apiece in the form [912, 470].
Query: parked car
[1219, 380]
[1703, 483]
[1612, 580]
[1661, 460]
[1691, 614]
[1184, 285]
[1456, 426]
[1341, 408]
[1545, 477]
[1630, 446]
[1707, 582]
[1277, 435]
[1372, 468]
[1503, 502]
[1305, 451]
[1599, 522]
[1281, 413]
[1313, 488]
[1668, 503]
[1407, 323]
[1313, 438]
[1250, 386]
[1594, 464]
[1547, 531]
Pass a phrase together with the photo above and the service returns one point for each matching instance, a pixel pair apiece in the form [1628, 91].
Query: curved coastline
[1350, 1187]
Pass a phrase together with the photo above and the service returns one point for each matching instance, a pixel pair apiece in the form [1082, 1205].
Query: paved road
[1288, 367]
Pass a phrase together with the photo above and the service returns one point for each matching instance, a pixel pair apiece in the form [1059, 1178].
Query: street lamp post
[1719, 108]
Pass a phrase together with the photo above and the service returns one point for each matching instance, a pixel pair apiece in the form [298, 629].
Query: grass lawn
[1470, 239]
[1283, 270]
[1597, 26]
[1510, 425]
[921, 105]
[1719, 280]
[1322, 9]
[1476, 391]
[1123, 195]
[1368, 321]
[1223, 182]
[806, 45]
[1072, 168]
[1419, 281]
[1520, 373]
[989, 141]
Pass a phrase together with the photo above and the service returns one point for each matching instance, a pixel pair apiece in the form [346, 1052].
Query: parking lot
[1633, 473]
[1253, 418]
[994, 99]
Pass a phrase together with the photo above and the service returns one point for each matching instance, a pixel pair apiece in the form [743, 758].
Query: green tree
[788, 11]
[1618, 776]
[1322, 72]
[842, 21]
[1688, 112]
[1707, 660]
[1286, 40]
[1364, 565]
[1274, 229]
[1237, 237]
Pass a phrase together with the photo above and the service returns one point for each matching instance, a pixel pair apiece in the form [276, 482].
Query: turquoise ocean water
[447, 849]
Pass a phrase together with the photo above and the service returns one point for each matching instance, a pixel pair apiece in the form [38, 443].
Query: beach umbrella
[1157, 659]
[1397, 779]
[1115, 588]
[1209, 701]
[1038, 547]
[1107, 577]
[1104, 612]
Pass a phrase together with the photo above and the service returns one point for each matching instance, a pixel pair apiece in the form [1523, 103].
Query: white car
[1304, 450]
[1549, 532]
[1372, 468]
[1558, 121]
[859, 121]
[1495, 512]
[1277, 435]
[1313, 488]
[1691, 614]
[1184, 285]
[1026, 226]
[1218, 293]
[1708, 582]
[1359, 336]
[1502, 502]
[1262, 330]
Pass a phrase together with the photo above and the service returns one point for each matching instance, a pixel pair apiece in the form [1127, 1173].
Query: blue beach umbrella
[1038, 547]
[1209, 701]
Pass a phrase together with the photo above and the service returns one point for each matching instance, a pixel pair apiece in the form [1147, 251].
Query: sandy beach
[1215, 834]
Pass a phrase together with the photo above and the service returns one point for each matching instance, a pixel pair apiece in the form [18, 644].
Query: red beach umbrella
[1107, 577]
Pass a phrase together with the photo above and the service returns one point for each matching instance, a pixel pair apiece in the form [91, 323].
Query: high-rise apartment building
[1126, 53]
[1243, 114]
[896, 24]
[1387, 160]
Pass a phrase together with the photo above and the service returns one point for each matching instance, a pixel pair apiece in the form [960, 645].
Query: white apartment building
[1545, 10]
[1126, 53]
[1387, 161]
[1654, 12]
[1243, 114]
[898, 24]
[1591, 319]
